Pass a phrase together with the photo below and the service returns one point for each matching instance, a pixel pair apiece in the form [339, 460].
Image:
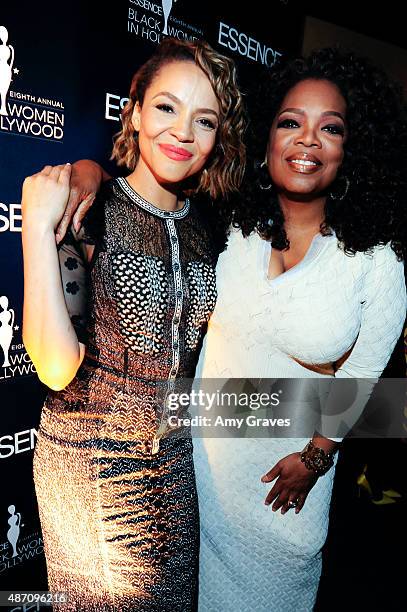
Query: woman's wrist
[327, 445]
[318, 455]
[34, 226]
[87, 169]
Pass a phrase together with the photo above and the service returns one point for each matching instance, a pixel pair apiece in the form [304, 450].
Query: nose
[308, 136]
[182, 128]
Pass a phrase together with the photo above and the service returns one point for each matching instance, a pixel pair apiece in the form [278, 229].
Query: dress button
[166, 213]
[179, 294]
[176, 267]
[176, 321]
[174, 238]
[175, 345]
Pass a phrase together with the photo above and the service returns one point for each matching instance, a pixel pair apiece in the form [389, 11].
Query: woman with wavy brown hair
[117, 496]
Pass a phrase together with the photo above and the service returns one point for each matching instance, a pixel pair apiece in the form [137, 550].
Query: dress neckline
[151, 208]
[318, 243]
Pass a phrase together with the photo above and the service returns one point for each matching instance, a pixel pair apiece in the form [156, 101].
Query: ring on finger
[293, 503]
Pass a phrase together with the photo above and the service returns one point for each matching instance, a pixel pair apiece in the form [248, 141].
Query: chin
[302, 195]
[169, 180]
[172, 178]
[169, 173]
[301, 187]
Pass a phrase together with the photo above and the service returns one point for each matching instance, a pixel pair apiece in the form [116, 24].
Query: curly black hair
[373, 212]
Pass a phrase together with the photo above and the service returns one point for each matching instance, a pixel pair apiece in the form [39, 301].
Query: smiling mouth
[176, 153]
[303, 166]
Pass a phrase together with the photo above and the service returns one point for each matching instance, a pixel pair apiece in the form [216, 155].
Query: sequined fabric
[120, 524]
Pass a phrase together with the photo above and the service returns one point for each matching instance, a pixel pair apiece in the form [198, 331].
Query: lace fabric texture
[120, 524]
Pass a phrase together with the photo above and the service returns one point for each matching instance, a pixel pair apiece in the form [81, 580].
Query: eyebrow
[299, 111]
[209, 111]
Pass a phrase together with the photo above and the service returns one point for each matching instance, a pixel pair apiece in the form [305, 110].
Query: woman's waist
[231, 360]
[125, 363]
[95, 417]
[103, 397]
[249, 354]
[123, 432]
[325, 369]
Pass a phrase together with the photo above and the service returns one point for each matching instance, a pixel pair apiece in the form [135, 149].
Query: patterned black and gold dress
[117, 498]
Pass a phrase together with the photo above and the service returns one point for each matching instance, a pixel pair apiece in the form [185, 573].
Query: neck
[304, 216]
[144, 182]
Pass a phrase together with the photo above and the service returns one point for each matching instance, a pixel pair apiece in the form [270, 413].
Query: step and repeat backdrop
[65, 70]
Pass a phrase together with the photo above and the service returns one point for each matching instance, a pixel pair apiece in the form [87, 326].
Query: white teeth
[303, 162]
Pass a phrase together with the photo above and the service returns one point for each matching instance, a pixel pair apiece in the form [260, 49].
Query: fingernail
[67, 164]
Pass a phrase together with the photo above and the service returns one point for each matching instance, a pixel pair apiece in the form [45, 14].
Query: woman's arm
[383, 315]
[86, 178]
[48, 334]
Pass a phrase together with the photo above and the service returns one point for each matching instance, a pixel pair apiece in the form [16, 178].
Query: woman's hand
[48, 333]
[45, 195]
[294, 482]
[86, 178]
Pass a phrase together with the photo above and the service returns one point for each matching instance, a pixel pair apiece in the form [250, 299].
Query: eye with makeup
[331, 128]
[288, 123]
[207, 124]
[334, 129]
[166, 108]
[204, 122]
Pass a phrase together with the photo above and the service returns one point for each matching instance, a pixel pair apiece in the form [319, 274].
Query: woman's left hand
[294, 482]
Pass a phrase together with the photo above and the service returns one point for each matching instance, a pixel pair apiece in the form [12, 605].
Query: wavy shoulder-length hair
[372, 211]
[225, 167]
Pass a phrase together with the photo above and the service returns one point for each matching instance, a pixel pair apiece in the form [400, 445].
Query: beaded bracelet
[316, 459]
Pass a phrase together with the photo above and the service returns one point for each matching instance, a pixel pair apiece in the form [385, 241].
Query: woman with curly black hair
[311, 285]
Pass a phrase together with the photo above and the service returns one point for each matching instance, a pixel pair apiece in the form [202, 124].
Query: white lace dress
[253, 559]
